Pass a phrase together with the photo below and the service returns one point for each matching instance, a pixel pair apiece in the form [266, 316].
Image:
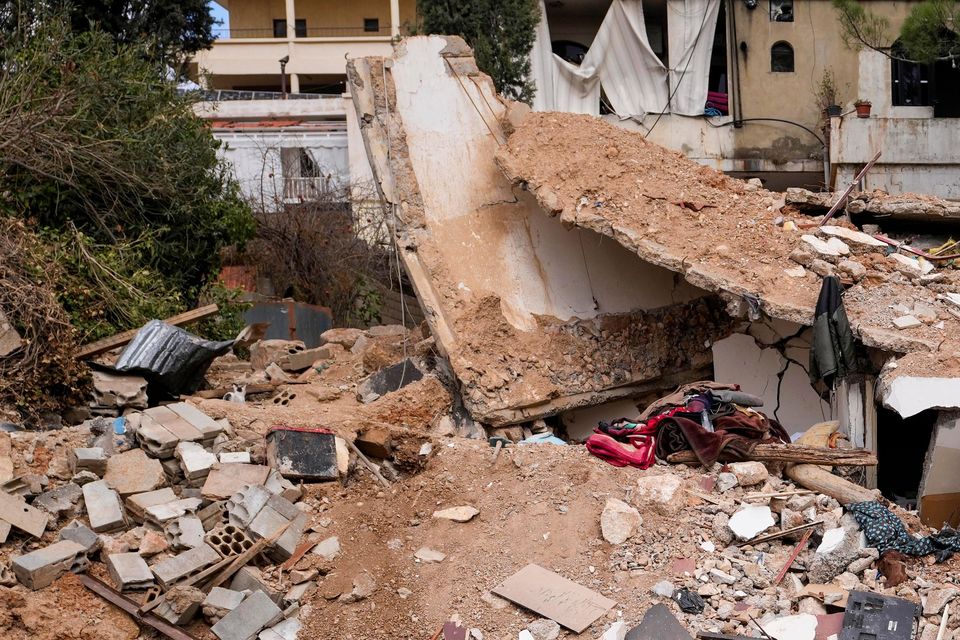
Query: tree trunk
[822, 481]
[795, 453]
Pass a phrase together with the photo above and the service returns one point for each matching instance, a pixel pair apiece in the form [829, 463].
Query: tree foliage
[104, 157]
[931, 31]
[166, 30]
[501, 32]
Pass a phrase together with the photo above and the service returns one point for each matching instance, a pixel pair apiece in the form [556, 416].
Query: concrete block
[155, 438]
[161, 514]
[235, 457]
[180, 605]
[138, 503]
[15, 511]
[280, 486]
[277, 513]
[195, 461]
[245, 504]
[60, 502]
[286, 630]
[252, 615]
[83, 535]
[185, 532]
[5, 528]
[228, 540]
[104, 509]
[207, 426]
[175, 424]
[180, 567]
[224, 479]
[250, 579]
[40, 568]
[133, 472]
[303, 359]
[265, 352]
[129, 571]
[88, 459]
[118, 392]
[298, 591]
[213, 515]
[223, 599]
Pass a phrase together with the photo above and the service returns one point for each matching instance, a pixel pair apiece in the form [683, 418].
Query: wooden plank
[793, 556]
[786, 532]
[15, 511]
[121, 339]
[131, 608]
[820, 480]
[794, 453]
[551, 595]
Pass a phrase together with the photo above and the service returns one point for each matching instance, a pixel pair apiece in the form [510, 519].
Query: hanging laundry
[833, 354]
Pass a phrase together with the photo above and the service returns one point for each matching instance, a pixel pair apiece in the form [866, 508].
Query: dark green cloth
[833, 355]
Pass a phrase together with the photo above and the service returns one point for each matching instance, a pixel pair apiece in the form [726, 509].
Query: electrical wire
[693, 50]
[781, 120]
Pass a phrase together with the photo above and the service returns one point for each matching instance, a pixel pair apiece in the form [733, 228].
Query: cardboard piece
[551, 595]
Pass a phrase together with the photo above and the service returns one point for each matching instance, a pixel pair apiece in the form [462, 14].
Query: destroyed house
[572, 270]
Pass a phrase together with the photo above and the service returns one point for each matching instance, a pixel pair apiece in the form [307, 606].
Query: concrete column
[394, 18]
[291, 15]
[294, 83]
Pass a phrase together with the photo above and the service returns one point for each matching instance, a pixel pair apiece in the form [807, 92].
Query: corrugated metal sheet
[172, 360]
[292, 321]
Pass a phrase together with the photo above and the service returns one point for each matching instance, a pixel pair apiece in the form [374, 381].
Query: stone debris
[619, 521]
[428, 555]
[749, 474]
[750, 521]
[465, 513]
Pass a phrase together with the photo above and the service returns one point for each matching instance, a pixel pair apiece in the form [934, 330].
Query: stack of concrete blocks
[161, 514]
[114, 394]
[195, 462]
[163, 428]
[138, 503]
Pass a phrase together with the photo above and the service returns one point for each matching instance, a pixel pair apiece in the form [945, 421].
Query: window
[299, 28]
[781, 10]
[781, 57]
[371, 25]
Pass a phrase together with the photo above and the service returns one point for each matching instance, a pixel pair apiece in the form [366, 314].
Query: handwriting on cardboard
[553, 596]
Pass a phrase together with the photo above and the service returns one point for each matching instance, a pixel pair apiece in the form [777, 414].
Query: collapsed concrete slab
[534, 319]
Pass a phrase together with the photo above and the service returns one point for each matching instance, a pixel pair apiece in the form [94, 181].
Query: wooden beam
[794, 453]
[121, 339]
[820, 480]
[780, 534]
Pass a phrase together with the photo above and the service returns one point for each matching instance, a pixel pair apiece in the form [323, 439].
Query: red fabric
[641, 453]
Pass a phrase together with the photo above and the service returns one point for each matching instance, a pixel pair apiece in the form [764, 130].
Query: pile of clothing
[718, 422]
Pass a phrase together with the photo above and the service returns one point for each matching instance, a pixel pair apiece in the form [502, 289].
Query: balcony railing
[311, 32]
[227, 95]
[306, 189]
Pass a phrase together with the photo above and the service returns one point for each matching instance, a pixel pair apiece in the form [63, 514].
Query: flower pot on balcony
[833, 111]
[863, 108]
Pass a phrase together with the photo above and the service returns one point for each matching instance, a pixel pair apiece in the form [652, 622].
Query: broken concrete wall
[534, 318]
[940, 487]
[769, 359]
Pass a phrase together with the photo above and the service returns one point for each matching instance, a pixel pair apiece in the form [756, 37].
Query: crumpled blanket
[735, 435]
[885, 531]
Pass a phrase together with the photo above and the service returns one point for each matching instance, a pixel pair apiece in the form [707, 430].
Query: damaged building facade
[581, 284]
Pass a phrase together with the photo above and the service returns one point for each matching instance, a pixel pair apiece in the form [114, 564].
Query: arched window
[781, 57]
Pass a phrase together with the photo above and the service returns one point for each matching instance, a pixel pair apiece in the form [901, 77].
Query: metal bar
[846, 192]
[130, 607]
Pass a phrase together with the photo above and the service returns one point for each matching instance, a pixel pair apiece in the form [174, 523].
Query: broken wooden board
[551, 595]
[121, 339]
[765, 452]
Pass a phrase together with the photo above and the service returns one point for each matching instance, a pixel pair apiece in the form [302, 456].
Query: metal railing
[227, 95]
[306, 189]
[311, 32]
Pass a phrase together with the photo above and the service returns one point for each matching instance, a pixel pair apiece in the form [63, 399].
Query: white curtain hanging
[620, 58]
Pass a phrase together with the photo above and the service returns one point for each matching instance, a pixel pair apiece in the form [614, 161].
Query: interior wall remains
[940, 487]
[770, 359]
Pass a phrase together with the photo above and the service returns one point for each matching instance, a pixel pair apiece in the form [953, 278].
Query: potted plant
[863, 108]
[826, 95]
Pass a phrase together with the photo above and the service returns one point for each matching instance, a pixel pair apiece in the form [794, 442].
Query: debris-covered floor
[386, 559]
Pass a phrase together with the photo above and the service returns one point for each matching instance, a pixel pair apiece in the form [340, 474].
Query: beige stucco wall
[817, 41]
[259, 14]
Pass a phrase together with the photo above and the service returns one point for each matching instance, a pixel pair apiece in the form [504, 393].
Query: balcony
[380, 31]
[297, 190]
